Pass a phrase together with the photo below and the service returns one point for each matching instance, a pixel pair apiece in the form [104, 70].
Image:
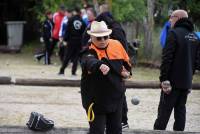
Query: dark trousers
[111, 122]
[62, 51]
[51, 48]
[45, 52]
[124, 111]
[72, 54]
[48, 45]
[175, 100]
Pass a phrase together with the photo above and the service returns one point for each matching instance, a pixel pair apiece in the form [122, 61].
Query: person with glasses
[105, 64]
[119, 34]
[177, 68]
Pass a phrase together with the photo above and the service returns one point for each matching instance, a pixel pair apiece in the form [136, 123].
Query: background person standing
[177, 68]
[57, 20]
[47, 28]
[62, 45]
[73, 36]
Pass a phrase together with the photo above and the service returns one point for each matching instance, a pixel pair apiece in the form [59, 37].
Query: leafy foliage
[123, 10]
[194, 10]
[52, 5]
[163, 6]
[128, 10]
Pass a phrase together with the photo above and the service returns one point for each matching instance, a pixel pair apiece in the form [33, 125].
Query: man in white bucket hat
[104, 66]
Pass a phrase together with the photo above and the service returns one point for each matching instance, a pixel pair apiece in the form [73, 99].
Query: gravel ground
[63, 105]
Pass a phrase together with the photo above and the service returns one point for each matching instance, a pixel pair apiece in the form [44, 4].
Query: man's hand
[50, 39]
[41, 39]
[60, 39]
[104, 69]
[125, 74]
[166, 87]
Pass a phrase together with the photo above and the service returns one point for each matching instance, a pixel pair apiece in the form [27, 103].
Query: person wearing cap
[177, 68]
[119, 34]
[105, 64]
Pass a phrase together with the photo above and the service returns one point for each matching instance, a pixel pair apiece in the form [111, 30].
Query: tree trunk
[137, 26]
[148, 30]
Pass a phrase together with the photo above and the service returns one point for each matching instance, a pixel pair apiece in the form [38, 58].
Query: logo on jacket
[191, 37]
[77, 24]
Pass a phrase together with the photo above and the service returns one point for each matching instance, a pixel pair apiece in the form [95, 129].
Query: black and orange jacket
[106, 91]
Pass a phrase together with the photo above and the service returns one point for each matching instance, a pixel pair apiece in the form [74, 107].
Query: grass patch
[26, 58]
[149, 74]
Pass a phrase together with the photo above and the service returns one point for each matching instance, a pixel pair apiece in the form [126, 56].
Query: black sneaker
[61, 72]
[125, 125]
[38, 56]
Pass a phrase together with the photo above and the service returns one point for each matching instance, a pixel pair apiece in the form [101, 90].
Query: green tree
[193, 7]
[52, 5]
[163, 6]
[129, 10]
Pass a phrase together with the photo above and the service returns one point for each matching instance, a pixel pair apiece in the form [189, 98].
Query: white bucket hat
[99, 29]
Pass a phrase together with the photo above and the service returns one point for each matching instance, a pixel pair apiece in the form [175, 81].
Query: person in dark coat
[86, 37]
[118, 33]
[47, 28]
[177, 68]
[73, 36]
[104, 66]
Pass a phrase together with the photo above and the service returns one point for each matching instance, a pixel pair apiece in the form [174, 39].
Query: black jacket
[180, 55]
[74, 29]
[106, 91]
[118, 32]
[47, 28]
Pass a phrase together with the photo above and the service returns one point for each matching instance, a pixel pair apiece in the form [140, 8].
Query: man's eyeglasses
[100, 38]
[173, 16]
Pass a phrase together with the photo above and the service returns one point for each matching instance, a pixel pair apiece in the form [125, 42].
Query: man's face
[50, 16]
[100, 42]
[90, 15]
[173, 19]
[62, 11]
[68, 14]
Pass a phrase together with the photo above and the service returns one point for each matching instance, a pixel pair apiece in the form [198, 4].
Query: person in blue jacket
[163, 34]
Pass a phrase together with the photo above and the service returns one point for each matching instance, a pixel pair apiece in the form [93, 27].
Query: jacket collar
[184, 22]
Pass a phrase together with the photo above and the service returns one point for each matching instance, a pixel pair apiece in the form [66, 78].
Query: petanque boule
[135, 100]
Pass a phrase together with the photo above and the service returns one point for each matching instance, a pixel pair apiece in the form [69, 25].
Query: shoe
[61, 72]
[47, 63]
[73, 75]
[38, 56]
[125, 125]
